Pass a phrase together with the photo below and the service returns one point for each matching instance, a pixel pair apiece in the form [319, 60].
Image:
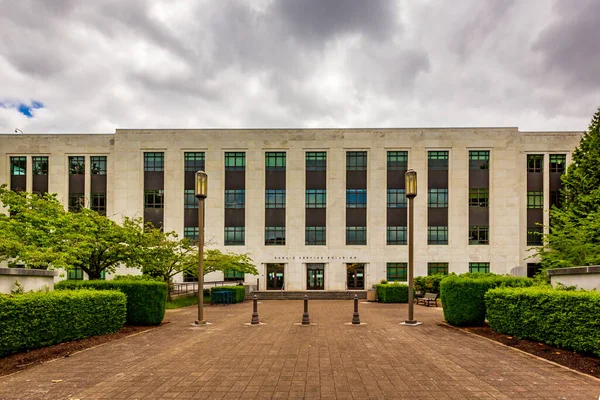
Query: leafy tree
[574, 236]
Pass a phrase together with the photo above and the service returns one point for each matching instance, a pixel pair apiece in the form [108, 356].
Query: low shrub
[32, 320]
[392, 292]
[429, 284]
[462, 297]
[143, 277]
[239, 292]
[146, 300]
[568, 319]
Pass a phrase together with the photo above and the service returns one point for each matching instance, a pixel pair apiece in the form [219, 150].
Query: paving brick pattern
[281, 360]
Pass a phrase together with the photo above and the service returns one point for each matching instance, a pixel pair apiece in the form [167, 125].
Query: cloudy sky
[94, 66]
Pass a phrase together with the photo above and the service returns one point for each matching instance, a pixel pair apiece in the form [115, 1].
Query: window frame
[397, 160]
[186, 233]
[275, 160]
[535, 236]
[316, 160]
[438, 160]
[479, 160]
[312, 233]
[232, 275]
[239, 236]
[535, 200]
[194, 161]
[435, 195]
[396, 198]
[437, 240]
[475, 267]
[76, 165]
[396, 267]
[76, 202]
[189, 199]
[14, 165]
[277, 195]
[99, 208]
[154, 161]
[232, 194]
[479, 197]
[357, 196]
[356, 235]
[235, 161]
[36, 165]
[157, 196]
[535, 163]
[101, 167]
[279, 235]
[434, 268]
[479, 231]
[356, 160]
[315, 198]
[396, 235]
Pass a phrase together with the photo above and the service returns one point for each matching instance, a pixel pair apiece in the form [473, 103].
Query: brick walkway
[280, 360]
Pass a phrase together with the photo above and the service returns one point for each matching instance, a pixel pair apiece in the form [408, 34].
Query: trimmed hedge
[146, 300]
[239, 292]
[392, 292]
[462, 297]
[32, 320]
[568, 319]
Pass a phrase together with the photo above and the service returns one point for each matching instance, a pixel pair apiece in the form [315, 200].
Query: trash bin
[371, 295]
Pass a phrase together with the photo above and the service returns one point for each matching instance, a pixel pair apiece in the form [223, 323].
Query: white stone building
[317, 209]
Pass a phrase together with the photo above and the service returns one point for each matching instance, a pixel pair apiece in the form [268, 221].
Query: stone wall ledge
[27, 272]
[592, 269]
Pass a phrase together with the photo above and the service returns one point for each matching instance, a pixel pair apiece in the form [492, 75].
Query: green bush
[32, 320]
[462, 297]
[143, 277]
[392, 292]
[146, 300]
[239, 292]
[429, 284]
[568, 319]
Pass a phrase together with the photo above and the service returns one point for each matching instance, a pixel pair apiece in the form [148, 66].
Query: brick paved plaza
[329, 360]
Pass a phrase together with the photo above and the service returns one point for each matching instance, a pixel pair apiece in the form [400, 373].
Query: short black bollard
[355, 316]
[305, 317]
[255, 311]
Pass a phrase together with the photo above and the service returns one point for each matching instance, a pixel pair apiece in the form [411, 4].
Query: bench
[428, 299]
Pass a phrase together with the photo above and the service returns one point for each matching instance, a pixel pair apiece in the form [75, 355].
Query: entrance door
[274, 276]
[315, 276]
[356, 276]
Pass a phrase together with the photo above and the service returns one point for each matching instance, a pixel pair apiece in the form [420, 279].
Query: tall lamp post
[410, 180]
[200, 193]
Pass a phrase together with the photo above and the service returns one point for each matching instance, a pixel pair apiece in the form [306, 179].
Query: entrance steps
[312, 294]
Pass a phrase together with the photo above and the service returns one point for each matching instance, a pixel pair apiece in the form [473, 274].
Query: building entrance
[356, 276]
[315, 276]
[275, 276]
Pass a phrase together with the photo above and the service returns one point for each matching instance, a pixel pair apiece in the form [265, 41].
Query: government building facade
[316, 209]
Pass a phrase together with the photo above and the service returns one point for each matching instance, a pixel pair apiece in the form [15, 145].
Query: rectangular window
[555, 198]
[397, 160]
[356, 161]
[396, 198]
[194, 161]
[437, 268]
[189, 199]
[479, 267]
[437, 198]
[437, 160]
[98, 165]
[314, 235]
[231, 275]
[154, 198]
[396, 235]
[479, 234]
[98, 203]
[479, 197]
[235, 198]
[40, 165]
[18, 166]
[76, 201]
[479, 159]
[535, 163]
[316, 161]
[77, 165]
[275, 198]
[275, 236]
[75, 274]
[437, 235]
[558, 162]
[275, 161]
[316, 198]
[535, 199]
[535, 236]
[235, 235]
[356, 235]
[154, 162]
[235, 161]
[356, 198]
[396, 272]
[190, 233]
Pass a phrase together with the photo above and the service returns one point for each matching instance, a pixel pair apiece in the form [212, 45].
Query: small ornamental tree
[574, 237]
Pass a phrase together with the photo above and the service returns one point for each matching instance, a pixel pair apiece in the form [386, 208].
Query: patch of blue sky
[23, 108]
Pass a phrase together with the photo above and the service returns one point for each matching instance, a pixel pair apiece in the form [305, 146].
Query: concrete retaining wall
[587, 278]
[30, 279]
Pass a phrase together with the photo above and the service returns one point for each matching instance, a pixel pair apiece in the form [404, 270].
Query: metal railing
[178, 288]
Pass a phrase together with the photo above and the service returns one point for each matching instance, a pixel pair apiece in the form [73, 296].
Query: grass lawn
[184, 301]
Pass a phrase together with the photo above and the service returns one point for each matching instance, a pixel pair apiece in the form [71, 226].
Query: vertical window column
[235, 198]
[76, 183]
[18, 173]
[275, 198]
[98, 171]
[437, 197]
[154, 188]
[39, 166]
[479, 189]
[315, 232]
[397, 164]
[192, 163]
[535, 199]
[356, 198]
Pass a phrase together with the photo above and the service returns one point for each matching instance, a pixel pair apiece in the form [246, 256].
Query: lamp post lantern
[201, 189]
[410, 180]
